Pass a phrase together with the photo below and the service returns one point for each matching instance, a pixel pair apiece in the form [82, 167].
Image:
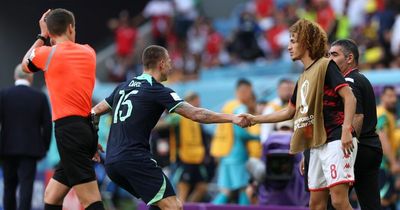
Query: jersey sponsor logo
[32, 55]
[303, 94]
[175, 96]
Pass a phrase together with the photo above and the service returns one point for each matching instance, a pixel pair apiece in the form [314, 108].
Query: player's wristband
[39, 36]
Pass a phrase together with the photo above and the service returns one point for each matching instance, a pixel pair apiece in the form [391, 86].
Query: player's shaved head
[152, 55]
[58, 21]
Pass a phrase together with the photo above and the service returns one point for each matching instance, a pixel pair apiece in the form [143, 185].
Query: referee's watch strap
[39, 36]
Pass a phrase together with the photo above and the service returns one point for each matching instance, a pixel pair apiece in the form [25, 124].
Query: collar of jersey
[147, 77]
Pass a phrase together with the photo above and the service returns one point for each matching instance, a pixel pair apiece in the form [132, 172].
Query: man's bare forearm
[207, 116]
[358, 123]
[349, 107]
[279, 116]
[101, 108]
[202, 115]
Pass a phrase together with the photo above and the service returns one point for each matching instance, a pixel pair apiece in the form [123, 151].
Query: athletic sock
[220, 199]
[243, 199]
[98, 205]
[52, 207]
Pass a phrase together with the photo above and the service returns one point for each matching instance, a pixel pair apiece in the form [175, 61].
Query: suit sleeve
[46, 122]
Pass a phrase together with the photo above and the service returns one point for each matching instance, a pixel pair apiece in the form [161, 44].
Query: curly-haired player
[322, 106]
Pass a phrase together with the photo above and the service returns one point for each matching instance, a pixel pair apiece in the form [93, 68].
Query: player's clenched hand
[347, 142]
[42, 24]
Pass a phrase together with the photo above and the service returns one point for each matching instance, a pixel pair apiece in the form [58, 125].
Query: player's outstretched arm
[202, 115]
[285, 114]
[101, 108]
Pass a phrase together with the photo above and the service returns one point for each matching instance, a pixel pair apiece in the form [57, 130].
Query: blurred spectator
[244, 45]
[196, 41]
[278, 35]
[395, 38]
[254, 147]
[213, 48]
[25, 131]
[386, 130]
[284, 91]
[160, 12]
[325, 15]
[125, 39]
[228, 144]
[185, 15]
[188, 151]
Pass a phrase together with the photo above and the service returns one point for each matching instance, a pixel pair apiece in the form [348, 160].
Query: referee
[345, 54]
[69, 70]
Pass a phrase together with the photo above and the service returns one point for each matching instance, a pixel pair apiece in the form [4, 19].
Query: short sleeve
[38, 58]
[168, 98]
[333, 78]
[294, 95]
[357, 93]
[110, 98]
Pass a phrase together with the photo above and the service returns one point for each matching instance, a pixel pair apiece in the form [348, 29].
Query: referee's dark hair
[241, 82]
[58, 20]
[152, 55]
[348, 47]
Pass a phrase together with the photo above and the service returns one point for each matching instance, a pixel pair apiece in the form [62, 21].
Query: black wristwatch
[39, 36]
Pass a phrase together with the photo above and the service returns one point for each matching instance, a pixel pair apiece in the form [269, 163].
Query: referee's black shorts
[76, 144]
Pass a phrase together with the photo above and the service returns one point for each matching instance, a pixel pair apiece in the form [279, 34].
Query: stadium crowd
[259, 32]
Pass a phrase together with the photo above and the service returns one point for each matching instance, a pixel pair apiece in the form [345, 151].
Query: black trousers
[366, 171]
[18, 171]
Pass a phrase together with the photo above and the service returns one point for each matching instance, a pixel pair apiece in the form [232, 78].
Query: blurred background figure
[229, 145]
[284, 91]
[386, 128]
[126, 36]
[25, 132]
[189, 151]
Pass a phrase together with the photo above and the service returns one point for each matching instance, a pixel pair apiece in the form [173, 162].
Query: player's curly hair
[311, 37]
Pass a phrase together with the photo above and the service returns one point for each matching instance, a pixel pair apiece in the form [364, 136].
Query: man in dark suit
[25, 133]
